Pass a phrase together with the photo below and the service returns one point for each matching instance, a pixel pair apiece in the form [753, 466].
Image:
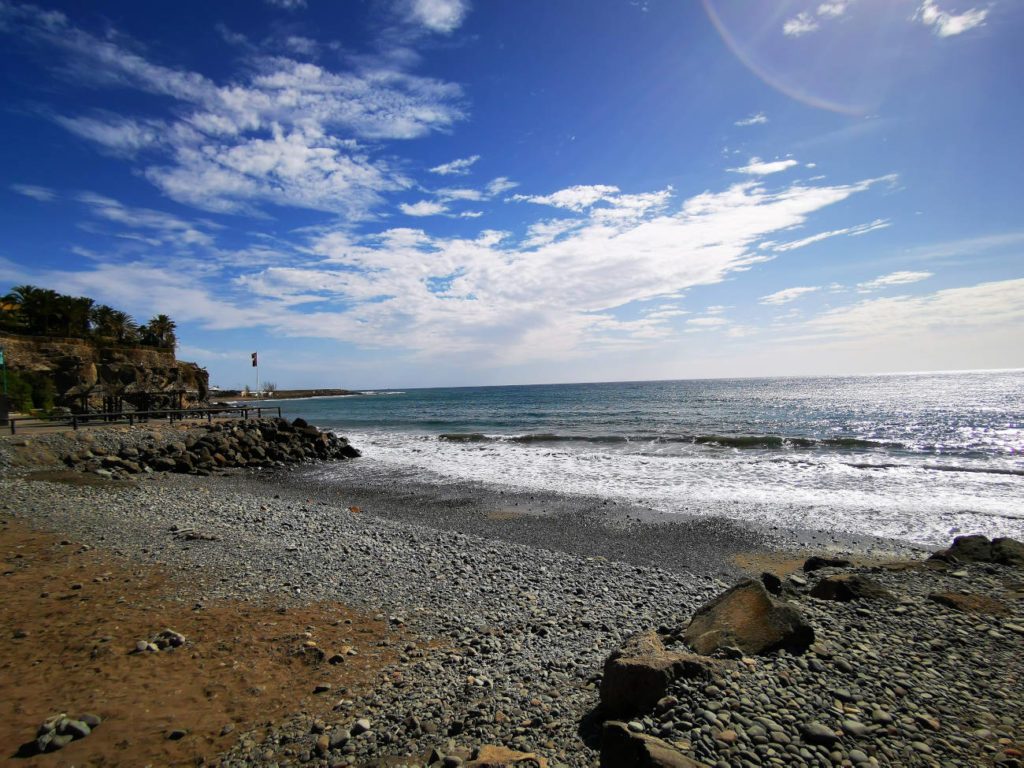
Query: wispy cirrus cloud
[799, 25]
[284, 132]
[552, 292]
[945, 24]
[992, 305]
[36, 192]
[787, 295]
[120, 135]
[172, 230]
[855, 231]
[756, 119]
[562, 288]
[458, 167]
[759, 167]
[904, 277]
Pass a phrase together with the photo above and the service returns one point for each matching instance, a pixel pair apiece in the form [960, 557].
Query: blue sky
[440, 192]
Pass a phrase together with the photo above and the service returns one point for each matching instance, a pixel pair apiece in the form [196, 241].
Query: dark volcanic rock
[849, 587]
[747, 617]
[1007, 551]
[815, 563]
[621, 748]
[638, 673]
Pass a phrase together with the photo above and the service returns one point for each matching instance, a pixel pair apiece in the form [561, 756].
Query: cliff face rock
[87, 376]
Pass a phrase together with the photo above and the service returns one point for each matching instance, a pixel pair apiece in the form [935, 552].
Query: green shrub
[28, 391]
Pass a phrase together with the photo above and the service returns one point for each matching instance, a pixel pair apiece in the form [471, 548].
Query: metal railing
[77, 420]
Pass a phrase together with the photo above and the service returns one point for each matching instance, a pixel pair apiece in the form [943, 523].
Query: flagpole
[256, 359]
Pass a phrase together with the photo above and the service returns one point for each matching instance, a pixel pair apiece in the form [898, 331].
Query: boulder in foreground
[747, 617]
[621, 748]
[638, 673]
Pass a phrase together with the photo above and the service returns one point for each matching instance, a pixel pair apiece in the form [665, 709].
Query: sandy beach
[341, 624]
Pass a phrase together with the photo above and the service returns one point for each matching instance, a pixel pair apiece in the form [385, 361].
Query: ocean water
[915, 457]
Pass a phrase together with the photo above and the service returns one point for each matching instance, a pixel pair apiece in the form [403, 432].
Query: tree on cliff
[109, 324]
[44, 312]
[36, 308]
[159, 332]
[73, 314]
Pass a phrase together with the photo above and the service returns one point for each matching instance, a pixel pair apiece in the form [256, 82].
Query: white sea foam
[819, 491]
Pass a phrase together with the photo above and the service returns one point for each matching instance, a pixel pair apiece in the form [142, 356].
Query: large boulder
[621, 748]
[978, 549]
[846, 587]
[747, 617]
[1007, 551]
[638, 673]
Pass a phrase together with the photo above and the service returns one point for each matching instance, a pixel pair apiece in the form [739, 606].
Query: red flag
[253, 359]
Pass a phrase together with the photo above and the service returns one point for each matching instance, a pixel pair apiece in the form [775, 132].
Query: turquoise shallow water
[916, 457]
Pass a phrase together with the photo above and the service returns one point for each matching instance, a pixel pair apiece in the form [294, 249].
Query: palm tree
[123, 327]
[100, 318]
[159, 332]
[72, 315]
[37, 307]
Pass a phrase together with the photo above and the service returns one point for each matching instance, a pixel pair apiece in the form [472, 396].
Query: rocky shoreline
[501, 642]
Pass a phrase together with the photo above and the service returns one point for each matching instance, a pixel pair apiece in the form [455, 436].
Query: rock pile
[163, 641]
[57, 731]
[264, 442]
[895, 673]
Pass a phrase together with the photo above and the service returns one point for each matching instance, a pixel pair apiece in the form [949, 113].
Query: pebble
[531, 622]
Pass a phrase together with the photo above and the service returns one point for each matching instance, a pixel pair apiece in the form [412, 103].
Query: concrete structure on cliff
[100, 377]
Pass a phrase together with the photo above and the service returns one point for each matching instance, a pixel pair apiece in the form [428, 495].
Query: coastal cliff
[85, 375]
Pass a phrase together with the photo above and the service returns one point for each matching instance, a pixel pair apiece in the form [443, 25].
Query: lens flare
[841, 55]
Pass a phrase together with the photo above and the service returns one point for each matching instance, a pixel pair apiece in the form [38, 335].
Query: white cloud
[896, 278]
[706, 323]
[833, 8]
[799, 25]
[171, 229]
[288, 5]
[759, 119]
[575, 198]
[302, 45]
[423, 208]
[946, 24]
[285, 133]
[550, 294]
[459, 167]
[553, 293]
[42, 194]
[758, 167]
[995, 304]
[438, 15]
[787, 295]
[123, 136]
[448, 193]
[499, 185]
[860, 229]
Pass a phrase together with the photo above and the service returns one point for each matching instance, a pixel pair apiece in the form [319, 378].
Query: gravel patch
[515, 612]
